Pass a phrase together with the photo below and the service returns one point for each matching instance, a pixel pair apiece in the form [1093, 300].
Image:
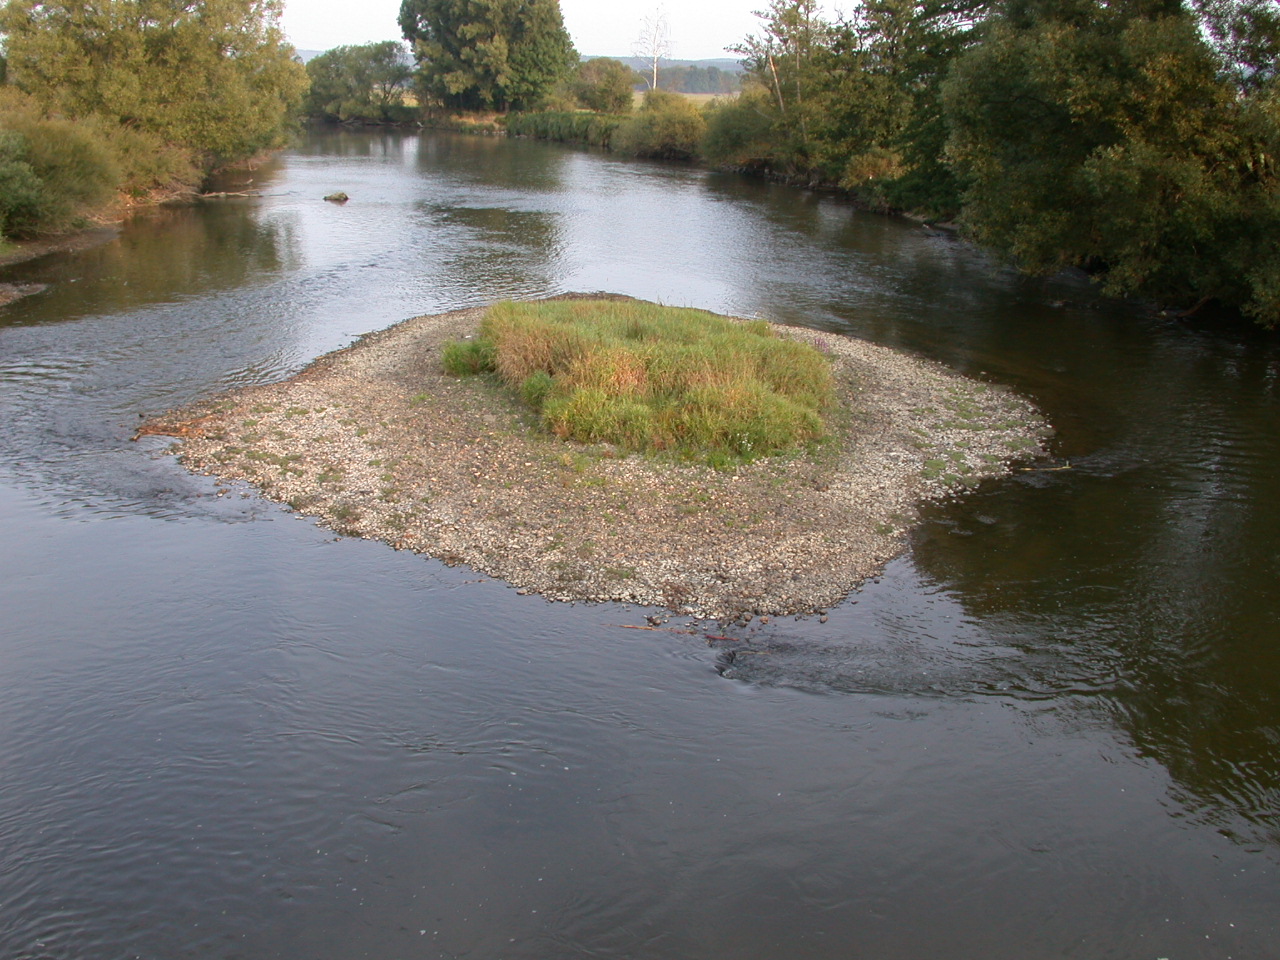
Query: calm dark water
[1050, 730]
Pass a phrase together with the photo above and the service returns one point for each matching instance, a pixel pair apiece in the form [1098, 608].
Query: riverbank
[20, 251]
[376, 441]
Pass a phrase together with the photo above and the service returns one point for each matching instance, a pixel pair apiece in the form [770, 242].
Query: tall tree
[366, 82]
[784, 59]
[654, 43]
[883, 110]
[215, 76]
[488, 54]
[1114, 137]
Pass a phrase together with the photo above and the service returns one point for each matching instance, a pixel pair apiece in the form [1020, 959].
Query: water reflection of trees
[500, 252]
[1147, 571]
[160, 257]
[335, 141]
[494, 162]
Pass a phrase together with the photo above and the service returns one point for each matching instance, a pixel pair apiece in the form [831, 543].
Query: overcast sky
[699, 30]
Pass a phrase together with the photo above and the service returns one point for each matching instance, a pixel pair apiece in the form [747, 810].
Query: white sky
[700, 29]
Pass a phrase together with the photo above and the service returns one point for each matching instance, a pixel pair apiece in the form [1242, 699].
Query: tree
[654, 44]
[366, 82]
[215, 76]
[781, 59]
[604, 85]
[1115, 138]
[488, 54]
[881, 129]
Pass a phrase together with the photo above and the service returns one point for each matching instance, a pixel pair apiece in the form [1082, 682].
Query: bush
[603, 85]
[22, 195]
[565, 126]
[668, 126]
[145, 161]
[741, 133]
[55, 171]
[651, 378]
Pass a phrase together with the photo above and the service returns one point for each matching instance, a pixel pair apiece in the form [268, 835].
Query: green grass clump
[652, 378]
[468, 357]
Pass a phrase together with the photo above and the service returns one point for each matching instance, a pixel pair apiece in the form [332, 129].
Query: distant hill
[306, 56]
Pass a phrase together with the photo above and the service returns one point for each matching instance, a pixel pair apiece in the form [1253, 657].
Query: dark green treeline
[1137, 139]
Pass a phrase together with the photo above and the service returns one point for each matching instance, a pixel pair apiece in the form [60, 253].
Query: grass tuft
[651, 378]
[468, 357]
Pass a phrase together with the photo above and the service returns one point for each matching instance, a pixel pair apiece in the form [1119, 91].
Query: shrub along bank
[133, 99]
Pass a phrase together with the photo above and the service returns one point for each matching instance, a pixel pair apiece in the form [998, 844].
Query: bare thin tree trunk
[777, 86]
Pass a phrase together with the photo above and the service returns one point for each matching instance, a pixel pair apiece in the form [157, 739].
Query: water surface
[1049, 730]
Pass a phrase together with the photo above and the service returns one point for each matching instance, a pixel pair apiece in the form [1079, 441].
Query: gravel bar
[376, 441]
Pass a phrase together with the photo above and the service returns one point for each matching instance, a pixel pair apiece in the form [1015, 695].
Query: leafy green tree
[884, 113]
[366, 82]
[784, 59]
[488, 54]
[1114, 137]
[215, 76]
[604, 85]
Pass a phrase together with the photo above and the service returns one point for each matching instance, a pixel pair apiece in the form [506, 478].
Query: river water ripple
[1051, 729]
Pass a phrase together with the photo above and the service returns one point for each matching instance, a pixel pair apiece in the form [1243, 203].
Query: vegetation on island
[133, 98]
[650, 378]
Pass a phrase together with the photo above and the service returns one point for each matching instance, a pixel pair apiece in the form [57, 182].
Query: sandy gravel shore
[376, 441]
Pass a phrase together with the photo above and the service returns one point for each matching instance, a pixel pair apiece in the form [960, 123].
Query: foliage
[22, 193]
[1114, 138]
[652, 378]
[603, 85]
[696, 79]
[566, 126]
[666, 126]
[1134, 138]
[487, 54]
[855, 103]
[782, 61]
[366, 82]
[213, 76]
[52, 171]
[741, 133]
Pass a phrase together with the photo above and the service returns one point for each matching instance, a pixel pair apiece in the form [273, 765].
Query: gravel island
[377, 441]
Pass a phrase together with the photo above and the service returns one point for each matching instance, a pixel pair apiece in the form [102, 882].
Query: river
[1050, 730]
